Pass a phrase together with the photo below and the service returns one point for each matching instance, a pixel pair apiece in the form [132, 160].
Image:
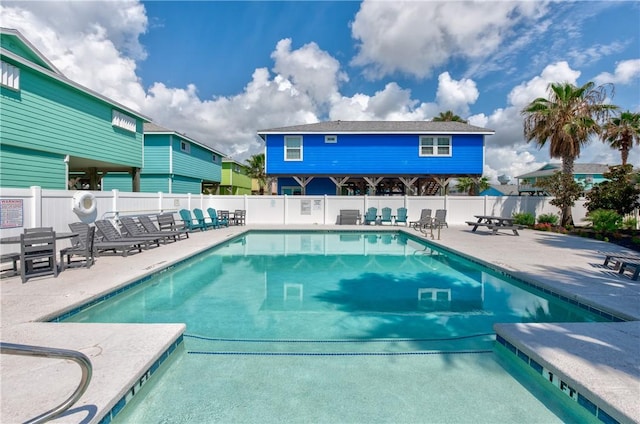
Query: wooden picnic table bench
[495, 224]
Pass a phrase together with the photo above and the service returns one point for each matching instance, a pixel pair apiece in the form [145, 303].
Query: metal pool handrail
[49, 352]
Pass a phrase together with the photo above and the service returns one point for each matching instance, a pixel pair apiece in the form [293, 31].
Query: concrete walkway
[121, 353]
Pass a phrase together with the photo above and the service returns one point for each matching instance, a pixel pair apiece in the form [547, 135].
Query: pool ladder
[49, 352]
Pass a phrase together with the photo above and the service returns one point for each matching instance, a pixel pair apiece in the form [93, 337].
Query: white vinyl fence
[35, 207]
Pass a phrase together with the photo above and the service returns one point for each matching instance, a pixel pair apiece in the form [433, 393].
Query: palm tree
[256, 170]
[472, 186]
[448, 116]
[567, 119]
[621, 131]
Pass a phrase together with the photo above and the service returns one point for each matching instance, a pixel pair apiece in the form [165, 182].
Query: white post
[36, 210]
[286, 209]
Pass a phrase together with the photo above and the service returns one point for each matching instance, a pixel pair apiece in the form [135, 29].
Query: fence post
[36, 210]
[325, 212]
[114, 201]
[286, 209]
[160, 201]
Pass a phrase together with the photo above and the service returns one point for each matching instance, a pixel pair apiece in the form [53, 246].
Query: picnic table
[494, 223]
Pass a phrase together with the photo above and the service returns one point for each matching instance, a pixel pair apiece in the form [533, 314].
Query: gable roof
[43, 66]
[578, 168]
[380, 127]
[152, 128]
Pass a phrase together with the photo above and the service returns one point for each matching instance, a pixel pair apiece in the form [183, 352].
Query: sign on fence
[11, 213]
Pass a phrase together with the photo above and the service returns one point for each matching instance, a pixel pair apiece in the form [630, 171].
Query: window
[435, 145]
[330, 138]
[119, 119]
[293, 147]
[214, 158]
[185, 147]
[10, 76]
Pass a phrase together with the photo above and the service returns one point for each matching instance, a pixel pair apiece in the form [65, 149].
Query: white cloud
[625, 72]
[456, 95]
[431, 33]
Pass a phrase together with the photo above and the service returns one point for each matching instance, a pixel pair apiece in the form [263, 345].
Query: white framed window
[435, 145]
[10, 76]
[293, 147]
[331, 139]
[120, 120]
[185, 147]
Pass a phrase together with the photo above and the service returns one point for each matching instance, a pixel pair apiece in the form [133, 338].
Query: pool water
[338, 327]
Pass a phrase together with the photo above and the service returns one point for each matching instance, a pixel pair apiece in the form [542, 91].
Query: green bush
[630, 223]
[524, 218]
[605, 220]
[548, 218]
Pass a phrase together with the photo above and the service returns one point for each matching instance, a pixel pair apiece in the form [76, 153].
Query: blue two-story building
[373, 157]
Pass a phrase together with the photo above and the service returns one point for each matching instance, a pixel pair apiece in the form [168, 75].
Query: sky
[220, 71]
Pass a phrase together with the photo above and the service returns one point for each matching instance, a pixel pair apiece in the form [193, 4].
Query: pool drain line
[462, 352]
[383, 340]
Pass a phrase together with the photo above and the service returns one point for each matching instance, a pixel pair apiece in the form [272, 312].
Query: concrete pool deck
[601, 359]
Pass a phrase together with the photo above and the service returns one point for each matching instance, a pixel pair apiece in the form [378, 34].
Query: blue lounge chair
[202, 220]
[401, 216]
[214, 218]
[386, 216]
[371, 216]
[190, 223]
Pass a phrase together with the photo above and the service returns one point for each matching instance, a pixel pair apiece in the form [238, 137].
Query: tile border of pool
[141, 382]
[554, 380]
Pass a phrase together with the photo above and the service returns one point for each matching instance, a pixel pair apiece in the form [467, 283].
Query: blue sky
[220, 71]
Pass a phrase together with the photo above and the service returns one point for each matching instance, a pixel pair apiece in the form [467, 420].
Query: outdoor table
[494, 223]
[16, 239]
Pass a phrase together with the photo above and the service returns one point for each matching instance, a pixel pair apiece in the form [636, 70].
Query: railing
[47, 352]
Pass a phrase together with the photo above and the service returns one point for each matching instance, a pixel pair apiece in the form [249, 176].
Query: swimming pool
[338, 327]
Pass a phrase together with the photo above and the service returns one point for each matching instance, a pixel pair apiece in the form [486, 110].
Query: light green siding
[157, 154]
[22, 168]
[234, 180]
[14, 45]
[46, 115]
[197, 163]
[117, 180]
[183, 185]
[154, 183]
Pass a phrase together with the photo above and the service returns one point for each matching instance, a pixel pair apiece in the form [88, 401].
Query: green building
[173, 163]
[55, 133]
[234, 178]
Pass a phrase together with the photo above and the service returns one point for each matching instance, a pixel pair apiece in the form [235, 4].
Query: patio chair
[386, 215]
[150, 228]
[132, 229]
[100, 246]
[425, 218]
[201, 219]
[109, 233]
[349, 217]
[441, 217]
[401, 216]
[38, 253]
[223, 216]
[81, 245]
[214, 218]
[188, 221]
[239, 216]
[166, 222]
[371, 216]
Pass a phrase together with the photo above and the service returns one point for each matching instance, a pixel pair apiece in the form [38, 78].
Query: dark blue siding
[368, 154]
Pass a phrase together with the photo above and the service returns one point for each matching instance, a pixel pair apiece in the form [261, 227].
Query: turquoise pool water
[338, 327]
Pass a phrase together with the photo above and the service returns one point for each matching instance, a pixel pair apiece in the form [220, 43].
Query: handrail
[49, 352]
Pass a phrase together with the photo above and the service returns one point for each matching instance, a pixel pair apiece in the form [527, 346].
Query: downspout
[171, 163]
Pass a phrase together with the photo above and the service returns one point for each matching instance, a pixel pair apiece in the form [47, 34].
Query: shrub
[524, 218]
[630, 223]
[605, 220]
[548, 218]
[543, 226]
